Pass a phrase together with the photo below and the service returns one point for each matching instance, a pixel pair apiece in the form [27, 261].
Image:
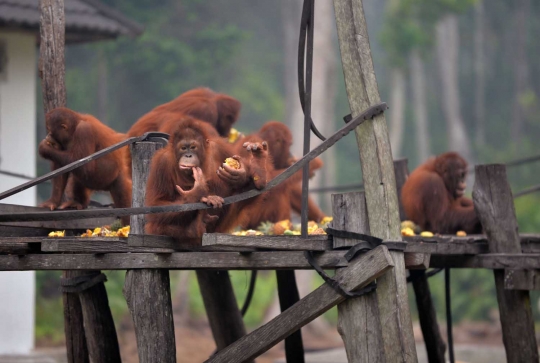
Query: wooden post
[221, 307]
[378, 177]
[427, 315]
[148, 292]
[88, 310]
[359, 321]
[495, 207]
[99, 327]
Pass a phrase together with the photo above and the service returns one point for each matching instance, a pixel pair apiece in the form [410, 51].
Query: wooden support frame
[495, 207]
[362, 270]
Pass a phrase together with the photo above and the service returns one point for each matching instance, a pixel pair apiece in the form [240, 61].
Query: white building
[86, 21]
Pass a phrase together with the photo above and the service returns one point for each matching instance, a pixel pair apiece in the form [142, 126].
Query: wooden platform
[223, 251]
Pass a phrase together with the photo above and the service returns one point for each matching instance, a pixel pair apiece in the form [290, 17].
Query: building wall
[18, 155]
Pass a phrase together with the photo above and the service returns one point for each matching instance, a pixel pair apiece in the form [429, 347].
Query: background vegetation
[236, 47]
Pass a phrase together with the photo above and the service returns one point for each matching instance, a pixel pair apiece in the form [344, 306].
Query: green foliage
[410, 25]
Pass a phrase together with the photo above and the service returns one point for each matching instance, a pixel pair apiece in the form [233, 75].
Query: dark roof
[86, 20]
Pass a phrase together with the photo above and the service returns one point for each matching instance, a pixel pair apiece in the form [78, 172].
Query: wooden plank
[495, 207]
[359, 320]
[417, 261]
[53, 225]
[490, 261]
[522, 279]
[114, 245]
[291, 260]
[148, 292]
[362, 270]
[20, 245]
[280, 243]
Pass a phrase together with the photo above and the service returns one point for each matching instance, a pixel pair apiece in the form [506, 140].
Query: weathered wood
[495, 207]
[51, 60]
[16, 231]
[491, 261]
[359, 322]
[20, 245]
[119, 244]
[76, 346]
[52, 72]
[361, 271]
[149, 300]
[285, 243]
[417, 261]
[522, 279]
[90, 223]
[148, 292]
[291, 260]
[435, 346]
[99, 325]
[221, 307]
[378, 176]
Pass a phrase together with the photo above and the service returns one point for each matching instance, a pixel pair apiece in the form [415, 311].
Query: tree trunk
[447, 56]
[480, 74]
[103, 86]
[397, 111]
[291, 11]
[521, 67]
[418, 81]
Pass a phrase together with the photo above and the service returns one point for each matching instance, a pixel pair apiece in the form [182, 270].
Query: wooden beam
[378, 176]
[362, 270]
[522, 279]
[495, 207]
[118, 244]
[490, 261]
[359, 320]
[292, 260]
[280, 243]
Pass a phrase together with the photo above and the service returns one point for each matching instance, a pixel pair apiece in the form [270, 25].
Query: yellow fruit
[426, 234]
[233, 163]
[57, 234]
[461, 233]
[326, 220]
[234, 135]
[407, 232]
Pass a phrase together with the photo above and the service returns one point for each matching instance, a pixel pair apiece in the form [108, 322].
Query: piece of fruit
[281, 226]
[318, 231]
[266, 228]
[326, 221]
[461, 233]
[233, 163]
[407, 232]
[234, 135]
[57, 234]
[426, 234]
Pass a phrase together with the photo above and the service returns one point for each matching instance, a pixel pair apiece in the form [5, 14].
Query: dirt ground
[194, 342]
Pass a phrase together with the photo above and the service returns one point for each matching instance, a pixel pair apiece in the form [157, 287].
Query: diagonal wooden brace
[360, 272]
